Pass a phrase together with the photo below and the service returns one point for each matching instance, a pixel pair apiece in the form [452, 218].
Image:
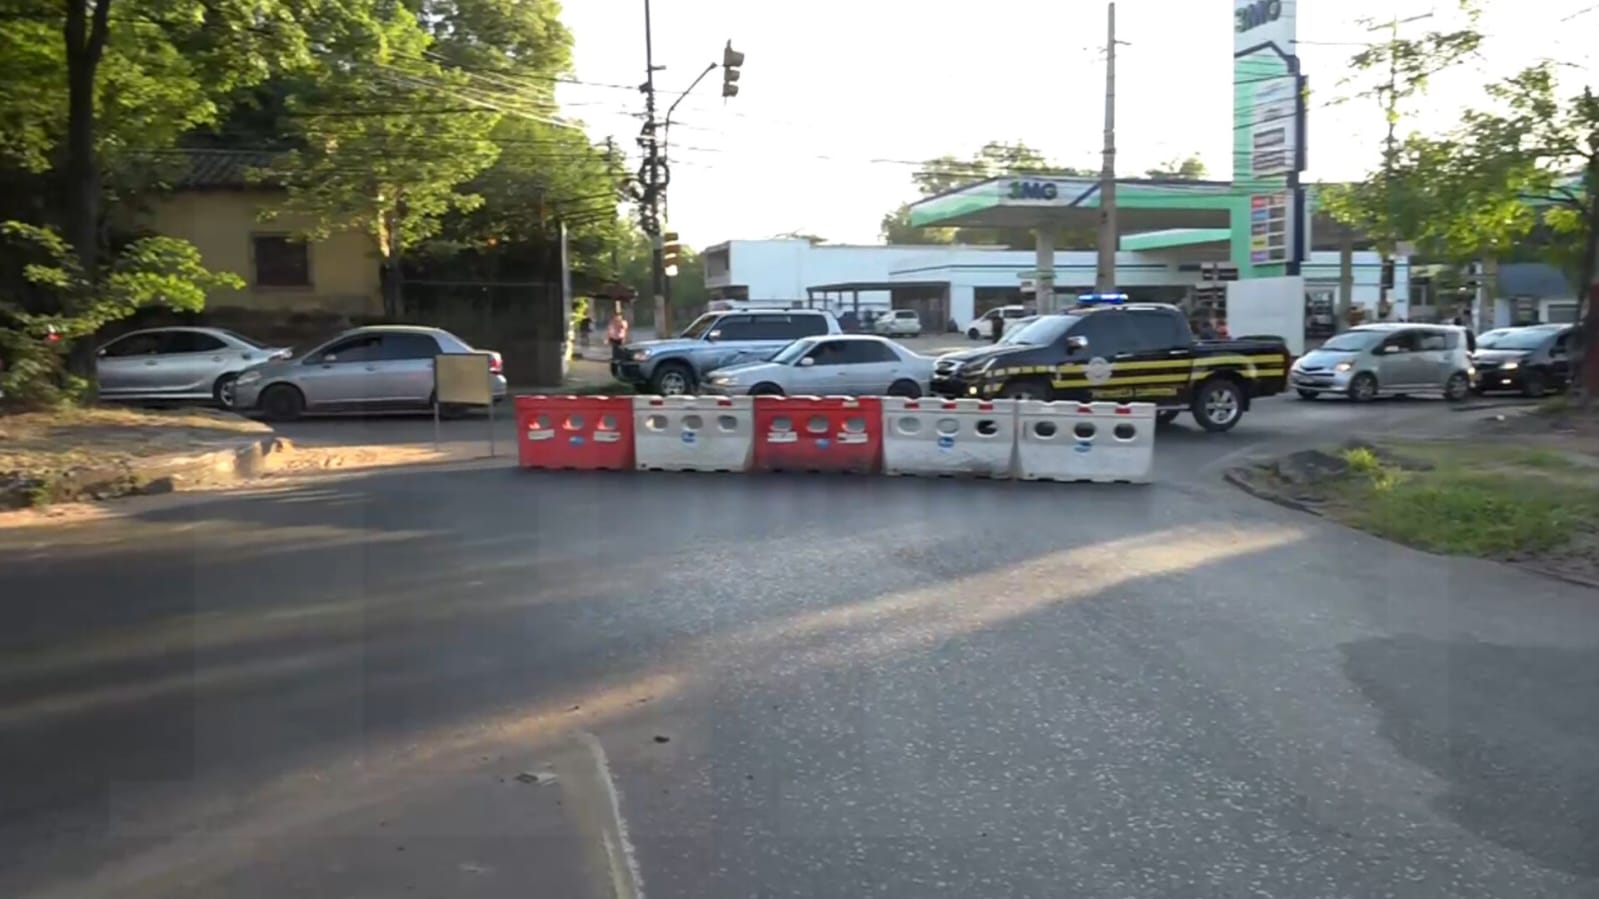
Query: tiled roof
[208, 169]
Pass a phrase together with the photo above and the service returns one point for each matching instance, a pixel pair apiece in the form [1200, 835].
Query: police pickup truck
[1122, 352]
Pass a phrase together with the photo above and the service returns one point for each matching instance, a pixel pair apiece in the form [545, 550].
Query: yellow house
[214, 206]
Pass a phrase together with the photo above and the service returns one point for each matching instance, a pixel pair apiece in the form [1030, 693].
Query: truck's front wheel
[1026, 389]
[1218, 404]
[672, 379]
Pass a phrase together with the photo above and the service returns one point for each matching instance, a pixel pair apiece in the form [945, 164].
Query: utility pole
[1105, 271]
[1390, 152]
[653, 175]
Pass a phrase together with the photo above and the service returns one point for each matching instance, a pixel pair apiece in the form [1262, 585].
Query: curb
[244, 460]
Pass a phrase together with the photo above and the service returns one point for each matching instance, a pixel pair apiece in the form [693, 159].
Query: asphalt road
[478, 681]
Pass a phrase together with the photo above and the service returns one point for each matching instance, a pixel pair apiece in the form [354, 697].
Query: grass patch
[1489, 499]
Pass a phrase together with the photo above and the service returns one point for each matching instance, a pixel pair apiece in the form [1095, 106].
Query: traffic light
[1387, 274]
[669, 252]
[731, 60]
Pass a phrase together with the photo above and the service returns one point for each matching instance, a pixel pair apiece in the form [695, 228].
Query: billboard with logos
[1268, 135]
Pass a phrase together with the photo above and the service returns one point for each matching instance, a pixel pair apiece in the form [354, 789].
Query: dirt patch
[1527, 497]
[99, 452]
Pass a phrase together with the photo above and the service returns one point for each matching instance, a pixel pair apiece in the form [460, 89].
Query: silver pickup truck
[676, 365]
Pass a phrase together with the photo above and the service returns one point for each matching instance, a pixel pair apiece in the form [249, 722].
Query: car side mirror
[714, 334]
[101, 352]
[807, 362]
[328, 358]
[1076, 342]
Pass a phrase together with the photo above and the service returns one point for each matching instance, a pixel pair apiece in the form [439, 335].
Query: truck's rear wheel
[1218, 404]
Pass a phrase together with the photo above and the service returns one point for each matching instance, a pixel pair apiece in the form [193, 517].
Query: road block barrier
[1101, 442]
[590, 433]
[693, 433]
[810, 433]
[949, 438]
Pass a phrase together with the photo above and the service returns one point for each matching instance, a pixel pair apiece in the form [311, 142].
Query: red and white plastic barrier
[575, 432]
[809, 433]
[1101, 442]
[949, 438]
[693, 433]
[1025, 439]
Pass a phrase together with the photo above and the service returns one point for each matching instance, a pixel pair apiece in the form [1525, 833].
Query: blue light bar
[1095, 299]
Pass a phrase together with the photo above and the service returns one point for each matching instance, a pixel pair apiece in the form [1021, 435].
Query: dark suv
[1533, 359]
[676, 365]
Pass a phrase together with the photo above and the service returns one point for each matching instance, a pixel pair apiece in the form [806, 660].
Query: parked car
[1534, 359]
[378, 368]
[1373, 360]
[982, 327]
[678, 364]
[178, 364]
[898, 323]
[845, 364]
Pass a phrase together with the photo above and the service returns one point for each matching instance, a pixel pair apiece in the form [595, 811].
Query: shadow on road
[1511, 730]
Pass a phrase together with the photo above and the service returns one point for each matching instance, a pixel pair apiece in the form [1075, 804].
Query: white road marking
[626, 880]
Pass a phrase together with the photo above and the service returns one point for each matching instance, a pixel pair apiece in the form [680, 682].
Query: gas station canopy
[1028, 201]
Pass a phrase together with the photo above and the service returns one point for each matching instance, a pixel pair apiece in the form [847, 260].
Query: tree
[1190, 168]
[151, 271]
[944, 173]
[1402, 68]
[1549, 147]
[93, 85]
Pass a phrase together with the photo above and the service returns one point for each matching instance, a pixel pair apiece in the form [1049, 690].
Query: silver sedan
[178, 364]
[378, 368]
[838, 364]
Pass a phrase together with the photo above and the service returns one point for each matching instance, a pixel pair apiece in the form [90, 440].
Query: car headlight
[249, 377]
[1510, 366]
[723, 380]
[1343, 367]
[641, 355]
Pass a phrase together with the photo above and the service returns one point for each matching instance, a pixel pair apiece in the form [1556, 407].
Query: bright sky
[839, 100]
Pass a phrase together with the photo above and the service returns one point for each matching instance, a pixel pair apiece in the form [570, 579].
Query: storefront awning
[1031, 202]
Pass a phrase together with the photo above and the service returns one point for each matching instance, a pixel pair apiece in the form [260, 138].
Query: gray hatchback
[374, 369]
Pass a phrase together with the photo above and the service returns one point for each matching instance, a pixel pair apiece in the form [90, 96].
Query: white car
[982, 327]
[832, 364]
[898, 323]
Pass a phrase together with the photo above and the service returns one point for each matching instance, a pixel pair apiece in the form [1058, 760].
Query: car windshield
[790, 354]
[1513, 339]
[1044, 330]
[700, 326]
[1352, 341]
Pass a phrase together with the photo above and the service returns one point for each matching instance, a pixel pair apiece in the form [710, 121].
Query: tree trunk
[81, 202]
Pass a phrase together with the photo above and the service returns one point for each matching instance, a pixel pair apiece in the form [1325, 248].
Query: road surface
[477, 681]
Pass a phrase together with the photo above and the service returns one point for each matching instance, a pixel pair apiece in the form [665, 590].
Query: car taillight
[495, 364]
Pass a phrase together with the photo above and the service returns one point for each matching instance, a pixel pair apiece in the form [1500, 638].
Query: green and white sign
[1266, 128]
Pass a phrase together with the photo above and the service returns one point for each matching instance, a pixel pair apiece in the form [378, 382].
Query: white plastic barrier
[1103, 442]
[949, 438]
[693, 433]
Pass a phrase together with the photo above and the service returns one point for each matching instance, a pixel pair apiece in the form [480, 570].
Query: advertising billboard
[1268, 108]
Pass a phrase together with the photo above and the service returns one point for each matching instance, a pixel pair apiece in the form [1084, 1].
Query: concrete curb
[242, 460]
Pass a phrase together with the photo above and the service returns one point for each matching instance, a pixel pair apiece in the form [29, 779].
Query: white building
[960, 282]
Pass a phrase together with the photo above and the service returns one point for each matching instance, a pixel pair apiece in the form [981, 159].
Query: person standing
[998, 329]
[616, 332]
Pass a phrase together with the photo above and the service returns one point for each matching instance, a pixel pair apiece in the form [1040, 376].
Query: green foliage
[150, 272]
[1190, 168]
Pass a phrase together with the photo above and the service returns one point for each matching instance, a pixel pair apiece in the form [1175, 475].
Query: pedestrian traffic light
[669, 253]
[731, 60]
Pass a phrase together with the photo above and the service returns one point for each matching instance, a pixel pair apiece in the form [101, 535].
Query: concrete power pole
[654, 184]
[1105, 271]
